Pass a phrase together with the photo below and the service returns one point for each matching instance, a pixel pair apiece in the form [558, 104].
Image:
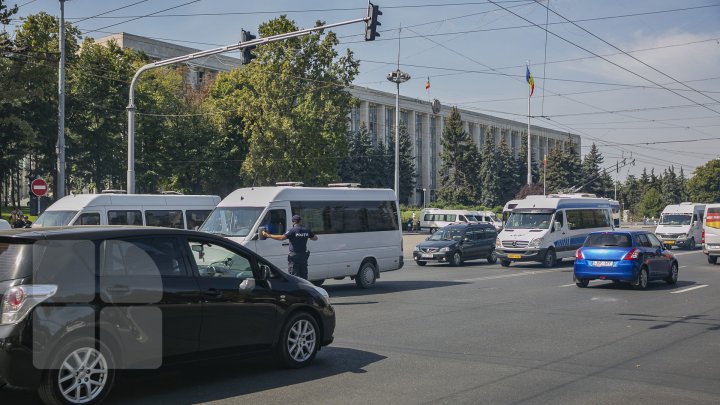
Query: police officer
[298, 236]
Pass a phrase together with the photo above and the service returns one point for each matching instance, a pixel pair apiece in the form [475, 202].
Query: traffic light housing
[247, 55]
[372, 22]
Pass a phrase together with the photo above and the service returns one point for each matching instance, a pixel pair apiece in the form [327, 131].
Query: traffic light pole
[179, 59]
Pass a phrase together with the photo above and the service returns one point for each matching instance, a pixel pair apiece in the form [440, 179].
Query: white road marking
[689, 289]
[508, 275]
[687, 253]
[568, 285]
[682, 267]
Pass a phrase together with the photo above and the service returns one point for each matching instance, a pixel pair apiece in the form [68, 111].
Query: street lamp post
[60, 146]
[397, 77]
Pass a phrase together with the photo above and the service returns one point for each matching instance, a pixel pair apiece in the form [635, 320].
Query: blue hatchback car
[634, 256]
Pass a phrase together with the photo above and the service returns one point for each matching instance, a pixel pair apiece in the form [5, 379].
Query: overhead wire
[140, 17]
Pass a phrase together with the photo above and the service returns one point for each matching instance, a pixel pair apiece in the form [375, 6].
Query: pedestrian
[298, 236]
[414, 219]
[27, 222]
[409, 224]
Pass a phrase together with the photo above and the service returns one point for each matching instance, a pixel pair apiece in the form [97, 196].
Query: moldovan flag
[427, 84]
[530, 80]
[545, 160]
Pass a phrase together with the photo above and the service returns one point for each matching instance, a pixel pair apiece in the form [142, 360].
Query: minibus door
[276, 252]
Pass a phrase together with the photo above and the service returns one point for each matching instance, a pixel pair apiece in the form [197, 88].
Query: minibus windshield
[232, 221]
[55, 218]
[527, 220]
[675, 219]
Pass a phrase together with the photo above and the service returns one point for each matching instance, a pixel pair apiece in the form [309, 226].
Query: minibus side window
[88, 218]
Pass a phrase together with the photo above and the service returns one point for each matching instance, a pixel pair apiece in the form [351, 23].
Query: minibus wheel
[550, 259]
[505, 263]
[365, 277]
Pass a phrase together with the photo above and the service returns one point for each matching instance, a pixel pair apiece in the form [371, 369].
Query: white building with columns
[377, 110]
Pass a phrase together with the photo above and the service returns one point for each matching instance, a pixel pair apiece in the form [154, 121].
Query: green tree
[670, 187]
[294, 105]
[356, 167]
[682, 181]
[651, 204]
[594, 178]
[510, 177]
[703, 186]
[491, 194]
[407, 165]
[458, 180]
[522, 164]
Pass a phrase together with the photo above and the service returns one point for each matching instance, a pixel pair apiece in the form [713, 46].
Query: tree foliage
[704, 186]
[459, 155]
[490, 174]
[595, 179]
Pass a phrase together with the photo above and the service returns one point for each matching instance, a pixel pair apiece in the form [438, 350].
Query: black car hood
[436, 243]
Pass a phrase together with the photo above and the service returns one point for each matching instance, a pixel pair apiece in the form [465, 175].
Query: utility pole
[60, 146]
[397, 77]
[370, 20]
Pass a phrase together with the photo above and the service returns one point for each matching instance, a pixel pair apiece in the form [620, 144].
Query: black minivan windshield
[15, 261]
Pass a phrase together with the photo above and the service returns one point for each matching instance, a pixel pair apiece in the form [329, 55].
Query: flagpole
[529, 160]
[544, 173]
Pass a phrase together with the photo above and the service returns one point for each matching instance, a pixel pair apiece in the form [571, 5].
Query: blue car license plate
[601, 263]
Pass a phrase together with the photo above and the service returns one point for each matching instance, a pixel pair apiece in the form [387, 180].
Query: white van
[711, 232]
[172, 211]
[358, 228]
[548, 229]
[432, 219]
[681, 224]
[488, 217]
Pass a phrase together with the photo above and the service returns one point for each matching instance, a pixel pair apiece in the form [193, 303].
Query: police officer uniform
[298, 236]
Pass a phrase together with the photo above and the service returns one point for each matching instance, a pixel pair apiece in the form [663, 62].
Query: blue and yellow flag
[530, 80]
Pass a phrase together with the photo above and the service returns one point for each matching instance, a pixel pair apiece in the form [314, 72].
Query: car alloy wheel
[642, 280]
[456, 259]
[300, 340]
[549, 260]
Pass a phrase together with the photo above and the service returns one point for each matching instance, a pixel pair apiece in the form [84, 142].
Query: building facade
[377, 110]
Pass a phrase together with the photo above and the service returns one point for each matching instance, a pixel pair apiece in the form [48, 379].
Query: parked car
[637, 257]
[455, 244]
[80, 303]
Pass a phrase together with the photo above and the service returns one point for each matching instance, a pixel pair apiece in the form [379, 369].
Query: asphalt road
[481, 334]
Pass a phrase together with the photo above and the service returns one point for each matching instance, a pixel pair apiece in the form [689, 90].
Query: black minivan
[456, 243]
[77, 304]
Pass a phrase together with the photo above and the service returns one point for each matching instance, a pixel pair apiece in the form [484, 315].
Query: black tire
[456, 259]
[492, 259]
[549, 260]
[421, 263]
[582, 283]
[300, 340]
[712, 259]
[505, 263]
[642, 281]
[319, 282]
[51, 388]
[673, 276]
[338, 278]
[366, 276]
[692, 244]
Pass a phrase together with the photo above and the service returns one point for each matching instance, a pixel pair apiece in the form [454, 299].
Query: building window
[355, 119]
[418, 149]
[373, 124]
[404, 118]
[389, 125]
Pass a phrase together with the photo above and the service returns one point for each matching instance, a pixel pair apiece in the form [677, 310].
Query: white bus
[358, 229]
[681, 224]
[711, 232]
[548, 229]
[432, 219]
[172, 211]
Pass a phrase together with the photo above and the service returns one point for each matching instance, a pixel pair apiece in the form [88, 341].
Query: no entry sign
[39, 187]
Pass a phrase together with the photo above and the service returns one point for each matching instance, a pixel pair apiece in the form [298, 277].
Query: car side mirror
[264, 272]
[247, 285]
[261, 230]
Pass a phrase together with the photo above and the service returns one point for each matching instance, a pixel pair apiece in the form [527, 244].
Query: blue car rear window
[608, 240]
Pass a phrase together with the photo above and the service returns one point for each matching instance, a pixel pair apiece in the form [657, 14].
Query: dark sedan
[457, 243]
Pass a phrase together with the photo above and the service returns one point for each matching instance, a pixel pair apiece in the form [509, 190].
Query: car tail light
[632, 255]
[18, 301]
[702, 238]
[579, 254]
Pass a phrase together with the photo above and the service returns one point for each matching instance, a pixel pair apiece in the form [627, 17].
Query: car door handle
[213, 293]
[285, 243]
[118, 290]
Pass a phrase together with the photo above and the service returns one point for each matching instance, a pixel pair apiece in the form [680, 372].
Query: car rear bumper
[711, 249]
[16, 358]
[622, 270]
[524, 255]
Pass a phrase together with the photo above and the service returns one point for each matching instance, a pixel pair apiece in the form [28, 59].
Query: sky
[640, 78]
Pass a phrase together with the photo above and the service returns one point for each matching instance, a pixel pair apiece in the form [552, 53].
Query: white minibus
[681, 224]
[432, 219]
[172, 211]
[358, 228]
[711, 232]
[548, 229]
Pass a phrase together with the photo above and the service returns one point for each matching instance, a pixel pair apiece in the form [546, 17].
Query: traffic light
[372, 22]
[247, 55]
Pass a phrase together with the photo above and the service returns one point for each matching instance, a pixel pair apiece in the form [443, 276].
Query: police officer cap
[296, 218]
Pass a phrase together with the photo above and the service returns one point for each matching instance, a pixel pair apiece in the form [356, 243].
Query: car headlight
[497, 242]
[445, 249]
[323, 294]
[535, 242]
